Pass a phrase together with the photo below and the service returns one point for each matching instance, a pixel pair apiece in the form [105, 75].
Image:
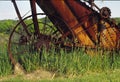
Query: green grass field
[63, 66]
[73, 66]
[108, 76]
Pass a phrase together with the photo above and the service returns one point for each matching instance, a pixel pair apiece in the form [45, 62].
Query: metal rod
[20, 18]
[34, 17]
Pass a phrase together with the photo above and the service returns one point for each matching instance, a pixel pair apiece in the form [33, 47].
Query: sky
[7, 10]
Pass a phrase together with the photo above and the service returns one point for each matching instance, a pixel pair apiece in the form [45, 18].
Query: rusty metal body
[82, 21]
[84, 26]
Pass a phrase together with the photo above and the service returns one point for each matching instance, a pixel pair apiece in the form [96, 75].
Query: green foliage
[117, 20]
[5, 65]
[6, 26]
[75, 62]
[30, 62]
[74, 66]
[66, 63]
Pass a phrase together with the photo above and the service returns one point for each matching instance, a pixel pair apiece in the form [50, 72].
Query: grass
[5, 65]
[109, 76]
[62, 63]
[71, 63]
[77, 62]
[72, 66]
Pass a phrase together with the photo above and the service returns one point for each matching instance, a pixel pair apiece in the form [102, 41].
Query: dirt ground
[36, 75]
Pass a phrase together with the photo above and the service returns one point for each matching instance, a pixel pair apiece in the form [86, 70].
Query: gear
[105, 12]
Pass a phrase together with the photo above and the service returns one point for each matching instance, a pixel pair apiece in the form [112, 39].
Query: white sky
[7, 10]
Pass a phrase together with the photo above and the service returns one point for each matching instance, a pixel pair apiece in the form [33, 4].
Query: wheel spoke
[21, 44]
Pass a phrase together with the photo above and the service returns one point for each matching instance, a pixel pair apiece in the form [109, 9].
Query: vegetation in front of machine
[61, 62]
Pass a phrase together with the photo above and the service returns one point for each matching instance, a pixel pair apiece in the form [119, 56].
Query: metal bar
[34, 16]
[20, 18]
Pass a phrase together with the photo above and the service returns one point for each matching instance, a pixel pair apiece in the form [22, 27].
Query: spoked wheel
[21, 43]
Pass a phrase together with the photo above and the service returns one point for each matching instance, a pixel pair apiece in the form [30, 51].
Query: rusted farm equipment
[76, 24]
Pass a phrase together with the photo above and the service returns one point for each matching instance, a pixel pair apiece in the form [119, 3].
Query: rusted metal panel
[84, 14]
[81, 21]
[61, 8]
[55, 18]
